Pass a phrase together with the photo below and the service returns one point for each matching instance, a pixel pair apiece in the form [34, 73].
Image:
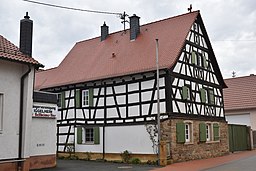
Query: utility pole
[158, 102]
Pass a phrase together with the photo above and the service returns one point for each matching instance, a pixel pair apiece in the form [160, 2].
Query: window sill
[92, 143]
[211, 142]
[188, 143]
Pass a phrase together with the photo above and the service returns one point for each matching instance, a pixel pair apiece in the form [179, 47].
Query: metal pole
[158, 102]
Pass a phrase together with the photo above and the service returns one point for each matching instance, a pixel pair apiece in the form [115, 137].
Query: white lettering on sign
[44, 111]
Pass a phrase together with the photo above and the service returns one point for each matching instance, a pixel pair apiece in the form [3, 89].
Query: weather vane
[190, 8]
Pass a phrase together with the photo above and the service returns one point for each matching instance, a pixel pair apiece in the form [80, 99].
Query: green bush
[150, 162]
[135, 161]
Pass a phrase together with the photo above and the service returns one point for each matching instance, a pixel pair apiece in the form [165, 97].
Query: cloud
[230, 24]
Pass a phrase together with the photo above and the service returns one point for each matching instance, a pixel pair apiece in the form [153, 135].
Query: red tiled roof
[92, 59]
[8, 51]
[241, 93]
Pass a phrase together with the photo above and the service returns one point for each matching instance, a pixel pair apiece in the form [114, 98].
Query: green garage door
[238, 137]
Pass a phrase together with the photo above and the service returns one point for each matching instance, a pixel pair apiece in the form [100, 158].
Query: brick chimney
[26, 31]
[134, 27]
[104, 32]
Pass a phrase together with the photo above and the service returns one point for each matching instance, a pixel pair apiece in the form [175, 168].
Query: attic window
[198, 59]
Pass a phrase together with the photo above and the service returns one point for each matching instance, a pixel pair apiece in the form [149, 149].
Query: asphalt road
[79, 165]
[246, 164]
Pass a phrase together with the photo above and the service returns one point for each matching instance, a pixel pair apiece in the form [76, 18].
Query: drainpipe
[21, 116]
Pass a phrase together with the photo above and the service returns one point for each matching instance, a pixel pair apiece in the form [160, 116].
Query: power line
[237, 40]
[76, 9]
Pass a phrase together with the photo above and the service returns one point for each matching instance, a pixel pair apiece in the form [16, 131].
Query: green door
[238, 137]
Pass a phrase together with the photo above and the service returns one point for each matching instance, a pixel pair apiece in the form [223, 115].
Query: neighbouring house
[23, 137]
[240, 102]
[107, 91]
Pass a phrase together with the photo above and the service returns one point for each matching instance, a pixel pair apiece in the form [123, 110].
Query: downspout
[21, 115]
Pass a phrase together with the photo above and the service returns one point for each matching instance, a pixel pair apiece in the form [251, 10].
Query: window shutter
[204, 61]
[90, 97]
[79, 135]
[203, 95]
[184, 92]
[180, 132]
[216, 132]
[78, 99]
[63, 101]
[202, 130]
[193, 58]
[211, 97]
[96, 134]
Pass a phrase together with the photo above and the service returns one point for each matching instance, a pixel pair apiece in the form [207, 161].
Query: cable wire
[76, 9]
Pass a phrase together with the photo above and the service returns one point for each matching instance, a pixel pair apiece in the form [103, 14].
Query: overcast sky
[230, 24]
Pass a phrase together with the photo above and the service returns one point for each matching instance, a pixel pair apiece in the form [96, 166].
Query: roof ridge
[153, 22]
[240, 77]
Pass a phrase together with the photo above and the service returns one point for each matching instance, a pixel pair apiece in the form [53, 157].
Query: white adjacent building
[20, 132]
[240, 102]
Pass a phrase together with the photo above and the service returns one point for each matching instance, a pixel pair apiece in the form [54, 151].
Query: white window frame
[188, 132]
[208, 132]
[85, 98]
[1, 111]
[84, 135]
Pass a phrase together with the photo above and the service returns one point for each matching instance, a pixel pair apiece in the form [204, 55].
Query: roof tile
[93, 59]
[9, 51]
[241, 93]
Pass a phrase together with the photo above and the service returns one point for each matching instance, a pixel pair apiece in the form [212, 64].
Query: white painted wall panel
[10, 74]
[242, 119]
[132, 138]
[43, 136]
[133, 110]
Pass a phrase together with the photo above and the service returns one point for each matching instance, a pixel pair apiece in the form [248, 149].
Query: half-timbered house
[107, 91]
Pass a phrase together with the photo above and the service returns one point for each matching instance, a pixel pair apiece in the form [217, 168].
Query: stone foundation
[111, 156]
[196, 149]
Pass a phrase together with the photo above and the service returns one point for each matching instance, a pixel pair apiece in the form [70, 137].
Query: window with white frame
[85, 98]
[184, 132]
[1, 110]
[188, 132]
[88, 134]
[208, 132]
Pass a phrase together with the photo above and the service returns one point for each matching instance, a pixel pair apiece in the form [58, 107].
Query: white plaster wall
[132, 138]
[241, 119]
[27, 111]
[10, 74]
[244, 117]
[43, 136]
